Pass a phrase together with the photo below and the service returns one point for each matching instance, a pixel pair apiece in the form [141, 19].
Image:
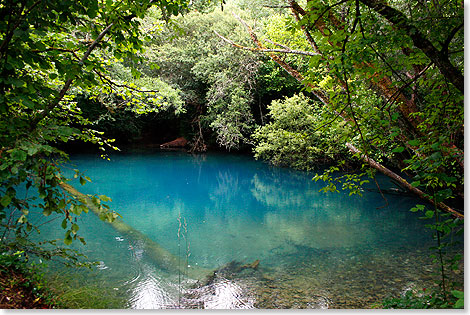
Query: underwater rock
[254, 265]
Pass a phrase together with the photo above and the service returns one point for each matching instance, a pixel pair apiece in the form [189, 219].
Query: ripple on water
[148, 292]
[222, 293]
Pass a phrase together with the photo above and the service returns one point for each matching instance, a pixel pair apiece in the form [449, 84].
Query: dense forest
[357, 86]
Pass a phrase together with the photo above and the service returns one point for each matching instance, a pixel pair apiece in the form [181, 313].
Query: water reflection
[220, 294]
[316, 250]
[149, 292]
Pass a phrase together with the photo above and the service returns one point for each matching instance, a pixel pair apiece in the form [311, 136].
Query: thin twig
[254, 49]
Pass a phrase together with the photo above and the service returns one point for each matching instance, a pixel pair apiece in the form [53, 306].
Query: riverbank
[22, 289]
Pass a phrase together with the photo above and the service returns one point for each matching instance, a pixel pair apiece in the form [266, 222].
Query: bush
[293, 138]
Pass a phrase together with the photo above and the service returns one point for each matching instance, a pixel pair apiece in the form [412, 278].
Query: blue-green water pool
[315, 249]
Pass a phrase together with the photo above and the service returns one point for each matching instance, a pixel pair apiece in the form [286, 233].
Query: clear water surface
[225, 212]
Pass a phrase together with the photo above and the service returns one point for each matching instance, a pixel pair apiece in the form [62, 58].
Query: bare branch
[111, 83]
[254, 49]
[277, 6]
[277, 44]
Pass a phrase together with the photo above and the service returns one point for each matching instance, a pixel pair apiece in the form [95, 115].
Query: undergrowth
[22, 284]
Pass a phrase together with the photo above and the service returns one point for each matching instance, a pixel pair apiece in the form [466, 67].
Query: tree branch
[324, 99]
[399, 20]
[9, 36]
[111, 83]
[401, 181]
[68, 83]
[254, 49]
[445, 45]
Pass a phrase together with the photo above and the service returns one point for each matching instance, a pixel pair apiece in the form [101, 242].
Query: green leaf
[104, 198]
[460, 296]
[64, 224]
[23, 219]
[18, 155]
[417, 208]
[68, 238]
[416, 183]
[76, 209]
[82, 181]
[414, 143]
[75, 228]
[33, 149]
[102, 216]
[429, 214]
[5, 201]
[47, 212]
[398, 150]
[82, 240]
[460, 303]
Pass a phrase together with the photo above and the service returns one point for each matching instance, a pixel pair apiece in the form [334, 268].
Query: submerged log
[164, 259]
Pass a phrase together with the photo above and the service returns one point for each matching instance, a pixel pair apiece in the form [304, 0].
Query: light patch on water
[221, 294]
[102, 266]
[151, 289]
[148, 294]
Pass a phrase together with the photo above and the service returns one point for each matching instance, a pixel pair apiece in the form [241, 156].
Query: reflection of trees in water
[305, 229]
[300, 213]
[279, 192]
[227, 187]
[198, 160]
[298, 194]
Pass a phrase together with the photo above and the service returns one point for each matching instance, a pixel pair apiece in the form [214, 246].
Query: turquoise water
[220, 211]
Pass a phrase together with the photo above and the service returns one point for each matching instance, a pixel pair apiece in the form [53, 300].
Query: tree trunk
[439, 58]
[401, 181]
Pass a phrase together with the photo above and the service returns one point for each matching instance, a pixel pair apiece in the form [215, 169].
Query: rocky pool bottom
[315, 279]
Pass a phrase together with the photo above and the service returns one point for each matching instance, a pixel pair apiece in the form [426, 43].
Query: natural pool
[226, 212]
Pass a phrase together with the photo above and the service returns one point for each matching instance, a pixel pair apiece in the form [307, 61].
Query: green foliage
[445, 228]
[423, 300]
[214, 80]
[373, 69]
[351, 182]
[399, 107]
[225, 88]
[459, 295]
[293, 139]
[231, 118]
[24, 276]
[141, 94]
[49, 53]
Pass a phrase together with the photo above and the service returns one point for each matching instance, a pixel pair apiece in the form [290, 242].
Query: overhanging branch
[440, 59]
[325, 100]
[401, 181]
[286, 50]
